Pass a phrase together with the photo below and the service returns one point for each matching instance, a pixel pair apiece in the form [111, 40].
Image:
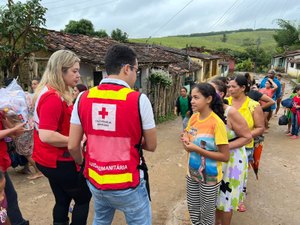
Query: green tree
[288, 36]
[245, 65]
[119, 35]
[82, 26]
[21, 33]
[101, 33]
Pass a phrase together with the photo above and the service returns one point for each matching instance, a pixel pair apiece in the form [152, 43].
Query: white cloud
[143, 18]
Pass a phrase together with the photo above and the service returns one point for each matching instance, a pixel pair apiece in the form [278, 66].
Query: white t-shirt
[145, 107]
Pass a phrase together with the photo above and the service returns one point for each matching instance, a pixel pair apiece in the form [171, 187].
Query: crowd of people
[221, 142]
[86, 147]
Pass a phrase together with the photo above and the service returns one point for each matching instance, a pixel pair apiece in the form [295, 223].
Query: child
[3, 202]
[269, 89]
[205, 125]
[295, 113]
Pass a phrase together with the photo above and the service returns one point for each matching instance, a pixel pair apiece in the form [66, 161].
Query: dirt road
[273, 199]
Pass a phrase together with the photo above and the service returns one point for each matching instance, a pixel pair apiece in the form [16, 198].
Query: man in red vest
[118, 123]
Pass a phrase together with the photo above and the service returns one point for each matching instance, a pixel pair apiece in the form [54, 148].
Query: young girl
[3, 202]
[269, 90]
[295, 114]
[207, 126]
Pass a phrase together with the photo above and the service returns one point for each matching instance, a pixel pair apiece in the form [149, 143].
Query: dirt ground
[273, 199]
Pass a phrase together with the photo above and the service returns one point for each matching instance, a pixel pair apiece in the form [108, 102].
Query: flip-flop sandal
[242, 207]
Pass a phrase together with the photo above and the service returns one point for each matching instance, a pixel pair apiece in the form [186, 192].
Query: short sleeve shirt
[207, 134]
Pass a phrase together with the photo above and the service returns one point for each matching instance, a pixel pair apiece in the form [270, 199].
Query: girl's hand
[19, 129]
[189, 146]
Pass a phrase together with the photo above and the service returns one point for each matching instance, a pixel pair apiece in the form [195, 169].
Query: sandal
[241, 207]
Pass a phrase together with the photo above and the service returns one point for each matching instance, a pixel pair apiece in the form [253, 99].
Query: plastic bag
[283, 120]
[14, 107]
[13, 103]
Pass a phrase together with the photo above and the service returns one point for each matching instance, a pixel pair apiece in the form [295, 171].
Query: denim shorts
[133, 202]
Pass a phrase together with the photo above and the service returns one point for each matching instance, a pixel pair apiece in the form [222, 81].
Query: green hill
[236, 40]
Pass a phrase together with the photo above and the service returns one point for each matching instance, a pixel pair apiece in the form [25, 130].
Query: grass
[235, 40]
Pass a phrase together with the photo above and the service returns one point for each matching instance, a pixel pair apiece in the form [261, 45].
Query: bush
[160, 77]
[245, 65]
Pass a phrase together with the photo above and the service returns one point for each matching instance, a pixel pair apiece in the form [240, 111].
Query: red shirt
[5, 161]
[296, 101]
[54, 115]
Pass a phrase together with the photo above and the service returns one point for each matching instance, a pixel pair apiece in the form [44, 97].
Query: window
[292, 65]
[298, 66]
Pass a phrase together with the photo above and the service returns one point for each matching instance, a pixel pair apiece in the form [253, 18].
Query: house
[226, 61]
[293, 63]
[92, 50]
[288, 62]
[209, 63]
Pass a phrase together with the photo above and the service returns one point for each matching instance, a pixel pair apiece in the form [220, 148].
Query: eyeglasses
[132, 67]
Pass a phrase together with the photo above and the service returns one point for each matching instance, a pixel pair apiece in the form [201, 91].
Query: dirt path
[273, 199]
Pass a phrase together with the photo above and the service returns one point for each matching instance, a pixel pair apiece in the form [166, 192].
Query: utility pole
[258, 42]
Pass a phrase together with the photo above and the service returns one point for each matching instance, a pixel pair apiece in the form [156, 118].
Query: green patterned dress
[235, 171]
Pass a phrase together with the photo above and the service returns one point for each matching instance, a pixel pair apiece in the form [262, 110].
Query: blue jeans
[185, 121]
[295, 126]
[13, 209]
[134, 202]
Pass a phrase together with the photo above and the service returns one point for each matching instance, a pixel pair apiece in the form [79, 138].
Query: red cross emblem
[103, 112]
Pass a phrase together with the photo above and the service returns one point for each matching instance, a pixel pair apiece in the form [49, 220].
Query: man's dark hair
[118, 56]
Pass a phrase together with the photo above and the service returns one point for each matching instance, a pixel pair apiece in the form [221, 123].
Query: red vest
[110, 118]
[46, 154]
[5, 161]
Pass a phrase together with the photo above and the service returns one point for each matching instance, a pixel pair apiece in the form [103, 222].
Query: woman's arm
[273, 84]
[258, 117]
[53, 138]
[268, 101]
[240, 127]
[221, 155]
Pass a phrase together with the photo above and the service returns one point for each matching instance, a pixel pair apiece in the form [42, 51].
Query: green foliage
[160, 77]
[21, 33]
[288, 36]
[85, 27]
[101, 33]
[234, 40]
[119, 35]
[168, 117]
[245, 65]
[82, 26]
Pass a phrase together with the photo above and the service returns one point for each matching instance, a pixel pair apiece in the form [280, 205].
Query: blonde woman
[53, 106]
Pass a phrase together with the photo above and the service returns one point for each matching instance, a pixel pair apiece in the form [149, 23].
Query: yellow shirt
[246, 110]
[207, 134]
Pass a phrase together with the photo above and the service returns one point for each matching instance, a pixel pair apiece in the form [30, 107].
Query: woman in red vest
[53, 107]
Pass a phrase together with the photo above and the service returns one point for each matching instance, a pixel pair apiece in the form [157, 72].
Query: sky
[157, 18]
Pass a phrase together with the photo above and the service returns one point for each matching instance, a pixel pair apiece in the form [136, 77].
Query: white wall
[86, 72]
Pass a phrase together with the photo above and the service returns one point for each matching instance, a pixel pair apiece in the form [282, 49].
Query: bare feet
[35, 176]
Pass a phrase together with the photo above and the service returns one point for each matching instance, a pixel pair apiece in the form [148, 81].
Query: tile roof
[183, 67]
[89, 49]
[92, 49]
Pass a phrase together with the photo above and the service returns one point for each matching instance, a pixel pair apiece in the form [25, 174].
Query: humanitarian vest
[43, 153]
[110, 118]
[246, 110]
